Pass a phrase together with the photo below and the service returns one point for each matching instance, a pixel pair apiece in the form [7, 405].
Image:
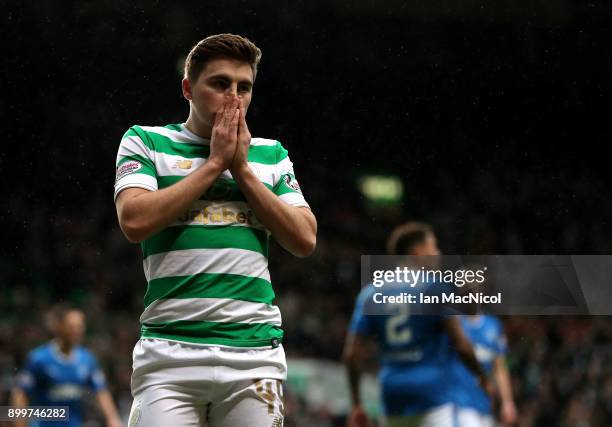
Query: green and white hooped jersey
[207, 273]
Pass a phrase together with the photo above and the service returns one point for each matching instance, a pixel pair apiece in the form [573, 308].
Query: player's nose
[232, 91]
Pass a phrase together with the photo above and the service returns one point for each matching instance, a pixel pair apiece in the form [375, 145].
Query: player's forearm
[352, 358]
[464, 348]
[354, 379]
[502, 378]
[20, 400]
[107, 405]
[149, 212]
[294, 228]
[466, 353]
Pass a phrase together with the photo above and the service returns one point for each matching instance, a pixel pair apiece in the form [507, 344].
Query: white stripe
[211, 310]
[133, 145]
[206, 212]
[215, 261]
[263, 141]
[294, 199]
[167, 165]
[138, 180]
[180, 137]
[283, 167]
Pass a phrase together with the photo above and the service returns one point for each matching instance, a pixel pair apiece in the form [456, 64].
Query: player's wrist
[240, 169]
[217, 164]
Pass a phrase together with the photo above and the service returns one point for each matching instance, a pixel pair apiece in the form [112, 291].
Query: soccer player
[475, 407]
[61, 372]
[202, 197]
[416, 351]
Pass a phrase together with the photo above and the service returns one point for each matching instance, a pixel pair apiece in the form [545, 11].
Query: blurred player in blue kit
[475, 406]
[417, 352]
[61, 372]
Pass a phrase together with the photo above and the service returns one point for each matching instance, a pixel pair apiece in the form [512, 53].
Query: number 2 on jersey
[397, 329]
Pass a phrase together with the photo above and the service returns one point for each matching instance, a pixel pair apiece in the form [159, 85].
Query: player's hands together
[225, 134]
[242, 147]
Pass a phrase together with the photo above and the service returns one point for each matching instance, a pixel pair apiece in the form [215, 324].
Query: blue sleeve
[27, 377]
[362, 324]
[96, 380]
[501, 344]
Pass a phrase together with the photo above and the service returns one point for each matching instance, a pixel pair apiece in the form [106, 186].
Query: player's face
[72, 327]
[429, 250]
[429, 246]
[221, 79]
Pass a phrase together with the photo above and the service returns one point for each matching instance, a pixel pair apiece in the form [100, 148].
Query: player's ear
[186, 84]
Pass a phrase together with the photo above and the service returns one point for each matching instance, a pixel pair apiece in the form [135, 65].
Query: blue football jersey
[415, 355]
[50, 378]
[487, 336]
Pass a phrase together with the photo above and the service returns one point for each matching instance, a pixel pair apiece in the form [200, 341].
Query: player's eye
[220, 84]
[244, 88]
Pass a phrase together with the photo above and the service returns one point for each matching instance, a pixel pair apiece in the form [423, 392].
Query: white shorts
[469, 417]
[440, 416]
[179, 384]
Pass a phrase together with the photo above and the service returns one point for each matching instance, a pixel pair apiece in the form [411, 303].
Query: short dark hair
[221, 46]
[58, 313]
[405, 237]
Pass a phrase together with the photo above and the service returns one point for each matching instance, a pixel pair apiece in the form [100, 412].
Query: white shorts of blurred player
[469, 417]
[440, 416]
[180, 384]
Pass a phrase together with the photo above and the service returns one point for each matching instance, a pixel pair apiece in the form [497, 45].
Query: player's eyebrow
[228, 78]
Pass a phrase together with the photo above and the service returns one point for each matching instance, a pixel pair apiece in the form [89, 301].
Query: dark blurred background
[494, 117]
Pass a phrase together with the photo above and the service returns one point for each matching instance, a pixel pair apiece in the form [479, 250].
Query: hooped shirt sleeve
[27, 378]
[135, 165]
[286, 185]
[96, 379]
[501, 343]
[362, 323]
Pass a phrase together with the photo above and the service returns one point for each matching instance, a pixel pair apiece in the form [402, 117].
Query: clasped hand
[231, 138]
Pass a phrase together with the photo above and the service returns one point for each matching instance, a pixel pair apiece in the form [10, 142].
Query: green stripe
[176, 127]
[163, 144]
[167, 181]
[210, 285]
[202, 332]
[265, 154]
[225, 190]
[283, 189]
[147, 165]
[138, 132]
[206, 237]
[282, 152]
[135, 131]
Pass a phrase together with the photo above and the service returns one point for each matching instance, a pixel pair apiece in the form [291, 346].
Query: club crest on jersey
[220, 190]
[292, 183]
[128, 168]
[183, 164]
